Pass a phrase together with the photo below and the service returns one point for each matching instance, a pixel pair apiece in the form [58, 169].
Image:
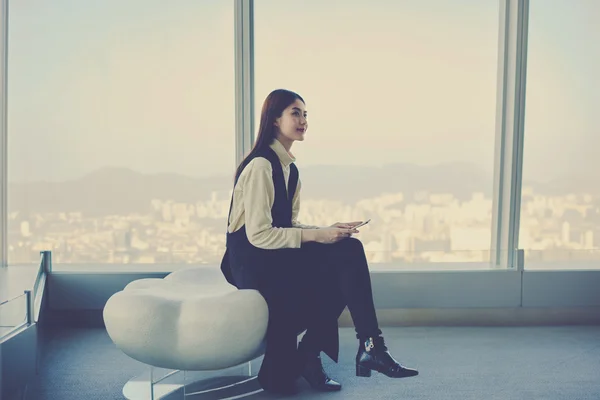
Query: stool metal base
[164, 384]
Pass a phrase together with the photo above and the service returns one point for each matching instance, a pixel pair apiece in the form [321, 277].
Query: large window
[121, 130]
[560, 208]
[401, 97]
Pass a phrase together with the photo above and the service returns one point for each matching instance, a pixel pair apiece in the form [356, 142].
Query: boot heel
[362, 371]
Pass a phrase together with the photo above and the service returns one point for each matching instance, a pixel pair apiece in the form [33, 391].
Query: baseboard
[73, 319]
[518, 316]
[400, 317]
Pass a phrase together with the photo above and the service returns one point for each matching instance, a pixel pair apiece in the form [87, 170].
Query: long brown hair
[273, 106]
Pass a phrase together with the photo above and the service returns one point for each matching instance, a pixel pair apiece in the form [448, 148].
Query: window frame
[510, 111]
[505, 294]
[3, 134]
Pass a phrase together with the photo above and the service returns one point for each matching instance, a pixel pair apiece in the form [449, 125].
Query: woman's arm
[259, 196]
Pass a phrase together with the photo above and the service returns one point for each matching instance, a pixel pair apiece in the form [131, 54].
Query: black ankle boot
[312, 370]
[373, 355]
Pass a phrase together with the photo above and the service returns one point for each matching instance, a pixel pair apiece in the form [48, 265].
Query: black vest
[281, 213]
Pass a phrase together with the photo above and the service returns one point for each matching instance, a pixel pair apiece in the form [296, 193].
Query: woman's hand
[328, 235]
[346, 225]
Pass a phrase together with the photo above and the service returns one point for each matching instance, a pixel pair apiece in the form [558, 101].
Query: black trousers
[345, 283]
[305, 289]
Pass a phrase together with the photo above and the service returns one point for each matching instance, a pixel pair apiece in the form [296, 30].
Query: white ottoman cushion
[187, 322]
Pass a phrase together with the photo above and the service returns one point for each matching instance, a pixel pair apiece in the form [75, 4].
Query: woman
[307, 274]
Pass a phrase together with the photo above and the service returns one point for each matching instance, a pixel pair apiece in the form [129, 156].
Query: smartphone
[362, 223]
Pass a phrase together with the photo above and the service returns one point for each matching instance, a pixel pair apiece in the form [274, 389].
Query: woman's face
[292, 124]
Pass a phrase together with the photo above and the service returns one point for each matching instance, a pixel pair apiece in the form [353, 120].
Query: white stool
[187, 322]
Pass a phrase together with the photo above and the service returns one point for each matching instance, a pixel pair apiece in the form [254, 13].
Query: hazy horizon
[230, 174]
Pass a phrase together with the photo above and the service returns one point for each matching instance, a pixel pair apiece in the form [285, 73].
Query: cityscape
[416, 228]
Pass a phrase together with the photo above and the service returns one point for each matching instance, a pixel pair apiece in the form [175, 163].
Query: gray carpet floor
[454, 363]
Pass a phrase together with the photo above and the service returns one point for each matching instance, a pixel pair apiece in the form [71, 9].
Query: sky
[143, 85]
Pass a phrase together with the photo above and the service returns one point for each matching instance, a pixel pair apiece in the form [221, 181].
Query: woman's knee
[350, 250]
[353, 245]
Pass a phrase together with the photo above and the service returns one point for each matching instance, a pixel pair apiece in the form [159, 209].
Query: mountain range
[122, 191]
